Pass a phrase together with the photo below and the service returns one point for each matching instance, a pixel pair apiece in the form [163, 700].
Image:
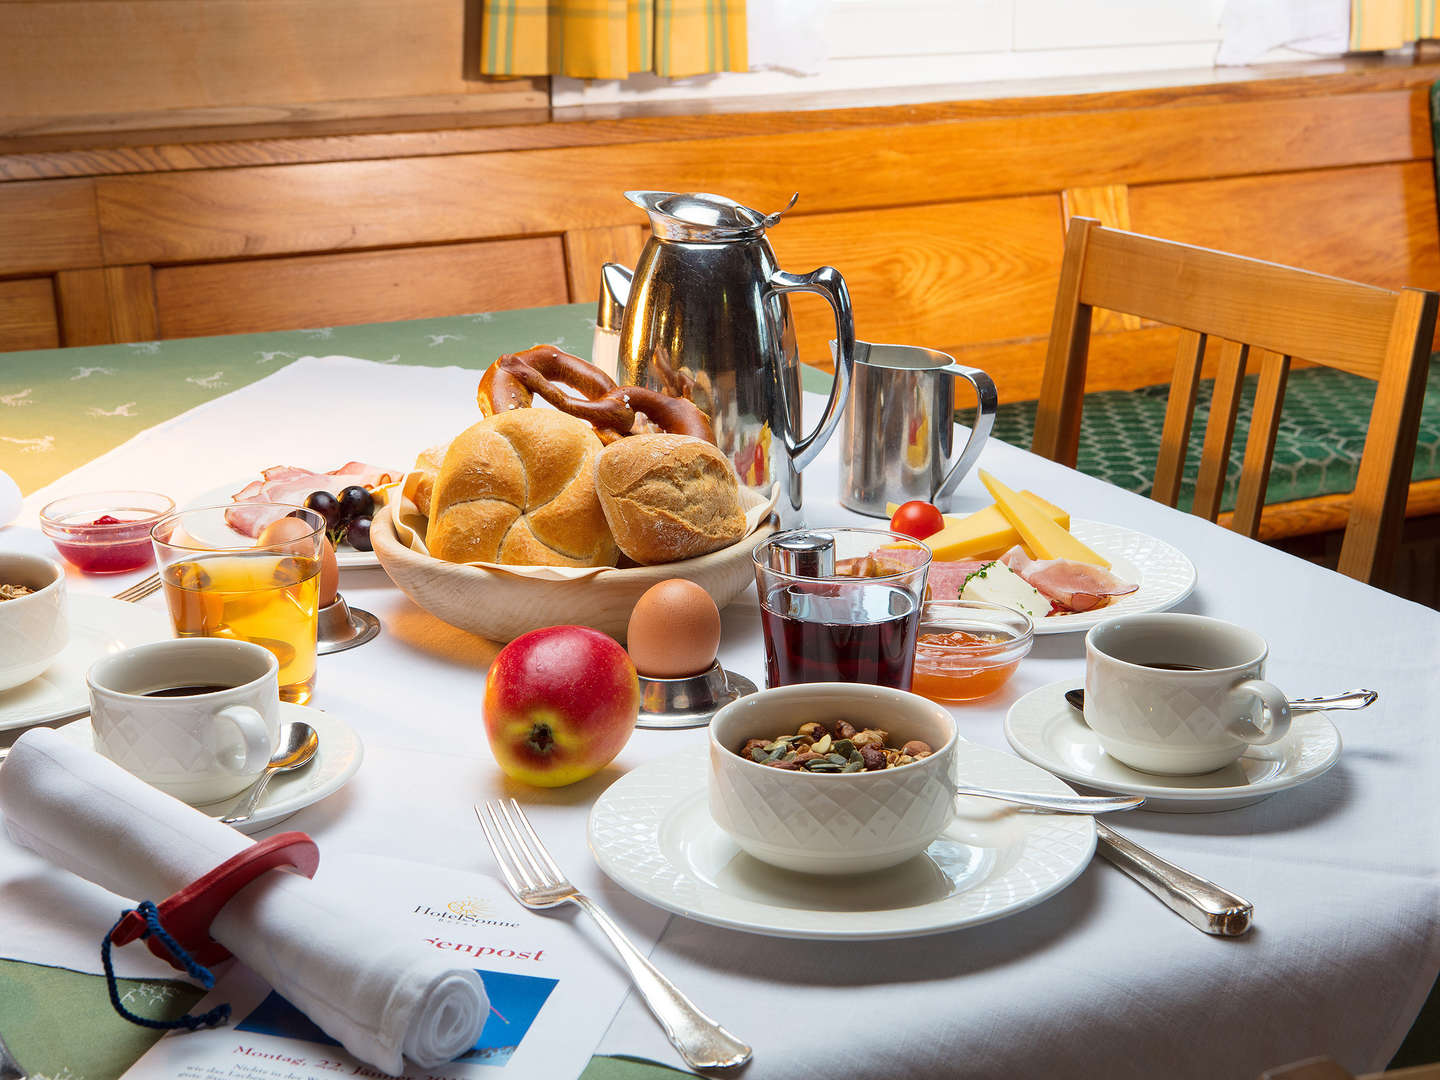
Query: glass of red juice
[857, 624]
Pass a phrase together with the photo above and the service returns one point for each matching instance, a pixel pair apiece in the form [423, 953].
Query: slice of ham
[943, 582]
[288, 484]
[1074, 586]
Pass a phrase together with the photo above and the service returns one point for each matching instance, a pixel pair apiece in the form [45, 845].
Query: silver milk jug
[706, 317]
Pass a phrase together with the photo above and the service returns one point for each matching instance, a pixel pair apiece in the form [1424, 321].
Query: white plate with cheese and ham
[1027, 553]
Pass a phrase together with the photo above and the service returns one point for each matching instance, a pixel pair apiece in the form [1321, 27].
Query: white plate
[1164, 574]
[651, 832]
[9, 499]
[99, 626]
[336, 761]
[346, 557]
[1045, 729]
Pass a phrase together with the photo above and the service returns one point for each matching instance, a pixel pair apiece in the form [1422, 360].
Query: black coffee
[1177, 667]
[185, 691]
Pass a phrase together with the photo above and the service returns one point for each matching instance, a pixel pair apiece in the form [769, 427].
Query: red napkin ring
[188, 914]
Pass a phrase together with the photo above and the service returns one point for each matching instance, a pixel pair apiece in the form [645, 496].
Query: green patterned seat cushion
[1317, 446]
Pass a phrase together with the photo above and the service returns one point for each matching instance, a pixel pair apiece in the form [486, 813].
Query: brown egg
[285, 533]
[674, 630]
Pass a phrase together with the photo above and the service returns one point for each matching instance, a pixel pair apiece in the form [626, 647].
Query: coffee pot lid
[701, 216]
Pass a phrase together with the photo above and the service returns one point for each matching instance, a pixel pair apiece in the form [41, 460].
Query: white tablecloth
[1101, 981]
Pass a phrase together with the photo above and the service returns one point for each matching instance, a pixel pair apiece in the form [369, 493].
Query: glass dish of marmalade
[968, 649]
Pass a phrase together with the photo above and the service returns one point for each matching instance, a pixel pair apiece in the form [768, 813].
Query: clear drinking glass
[222, 583]
[856, 625]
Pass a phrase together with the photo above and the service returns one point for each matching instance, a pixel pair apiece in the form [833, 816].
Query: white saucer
[652, 833]
[1045, 729]
[99, 626]
[1164, 573]
[336, 761]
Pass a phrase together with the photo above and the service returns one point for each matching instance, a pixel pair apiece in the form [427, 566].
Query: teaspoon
[298, 743]
[1064, 804]
[1348, 700]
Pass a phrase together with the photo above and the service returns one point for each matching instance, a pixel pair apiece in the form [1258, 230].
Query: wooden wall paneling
[1110, 205]
[1375, 224]
[67, 63]
[343, 289]
[48, 225]
[27, 315]
[84, 307]
[940, 276]
[586, 250]
[374, 129]
[130, 293]
[245, 212]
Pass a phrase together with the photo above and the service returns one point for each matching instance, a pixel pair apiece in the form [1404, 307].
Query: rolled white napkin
[375, 991]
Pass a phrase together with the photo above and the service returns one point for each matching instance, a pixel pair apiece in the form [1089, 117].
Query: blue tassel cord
[199, 973]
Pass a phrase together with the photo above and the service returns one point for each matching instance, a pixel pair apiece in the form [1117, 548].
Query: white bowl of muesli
[33, 623]
[832, 778]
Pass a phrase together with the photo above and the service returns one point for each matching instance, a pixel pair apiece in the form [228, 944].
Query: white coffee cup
[1179, 694]
[199, 747]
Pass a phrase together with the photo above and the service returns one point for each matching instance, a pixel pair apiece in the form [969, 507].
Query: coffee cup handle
[253, 733]
[1274, 720]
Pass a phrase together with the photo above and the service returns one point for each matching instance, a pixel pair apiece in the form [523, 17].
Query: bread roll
[668, 497]
[519, 488]
[420, 485]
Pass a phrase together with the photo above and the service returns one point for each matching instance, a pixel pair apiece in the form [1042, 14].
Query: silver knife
[1201, 903]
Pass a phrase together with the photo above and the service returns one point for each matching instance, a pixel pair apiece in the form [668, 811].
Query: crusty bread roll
[420, 485]
[668, 497]
[519, 488]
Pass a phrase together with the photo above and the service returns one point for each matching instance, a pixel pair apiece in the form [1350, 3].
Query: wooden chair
[1263, 313]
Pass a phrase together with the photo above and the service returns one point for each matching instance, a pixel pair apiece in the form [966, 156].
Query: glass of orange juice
[220, 582]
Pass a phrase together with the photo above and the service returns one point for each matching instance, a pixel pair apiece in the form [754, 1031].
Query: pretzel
[513, 381]
[671, 414]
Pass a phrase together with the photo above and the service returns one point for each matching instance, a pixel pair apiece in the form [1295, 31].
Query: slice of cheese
[984, 534]
[996, 583]
[1044, 538]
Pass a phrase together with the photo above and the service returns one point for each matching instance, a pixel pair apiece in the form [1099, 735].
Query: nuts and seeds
[14, 592]
[820, 748]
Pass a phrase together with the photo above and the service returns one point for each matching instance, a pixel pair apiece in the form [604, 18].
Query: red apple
[560, 703]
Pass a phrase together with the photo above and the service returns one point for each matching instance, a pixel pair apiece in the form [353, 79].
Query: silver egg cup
[343, 627]
[689, 701]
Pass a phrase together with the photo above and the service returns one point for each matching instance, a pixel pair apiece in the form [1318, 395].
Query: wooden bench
[947, 219]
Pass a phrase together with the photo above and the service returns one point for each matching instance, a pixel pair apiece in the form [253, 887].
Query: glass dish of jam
[968, 649]
[106, 532]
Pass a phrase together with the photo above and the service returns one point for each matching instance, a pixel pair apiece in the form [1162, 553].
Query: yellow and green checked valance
[609, 39]
[1389, 24]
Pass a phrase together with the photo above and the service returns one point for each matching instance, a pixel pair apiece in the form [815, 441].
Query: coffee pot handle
[828, 283]
[986, 403]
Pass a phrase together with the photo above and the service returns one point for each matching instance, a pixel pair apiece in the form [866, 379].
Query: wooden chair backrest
[1263, 314]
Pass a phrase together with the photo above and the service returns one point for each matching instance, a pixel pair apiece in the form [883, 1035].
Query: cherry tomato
[917, 519]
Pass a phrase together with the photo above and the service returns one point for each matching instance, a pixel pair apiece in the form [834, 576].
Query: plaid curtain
[1388, 24]
[609, 39]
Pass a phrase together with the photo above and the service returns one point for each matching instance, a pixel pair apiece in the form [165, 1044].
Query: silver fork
[140, 589]
[537, 882]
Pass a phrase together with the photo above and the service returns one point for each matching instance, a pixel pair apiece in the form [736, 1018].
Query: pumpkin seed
[823, 766]
[854, 766]
[757, 753]
[843, 746]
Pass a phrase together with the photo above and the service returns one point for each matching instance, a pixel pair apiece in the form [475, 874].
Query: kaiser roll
[668, 497]
[519, 488]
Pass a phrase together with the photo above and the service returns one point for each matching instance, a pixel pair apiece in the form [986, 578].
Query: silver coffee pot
[705, 316]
